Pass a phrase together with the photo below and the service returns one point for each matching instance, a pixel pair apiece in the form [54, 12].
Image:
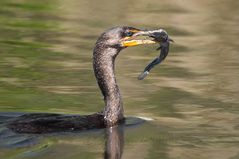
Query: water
[192, 97]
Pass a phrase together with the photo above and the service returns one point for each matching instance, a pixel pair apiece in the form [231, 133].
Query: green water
[193, 97]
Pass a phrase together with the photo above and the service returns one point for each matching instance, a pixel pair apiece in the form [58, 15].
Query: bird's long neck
[103, 65]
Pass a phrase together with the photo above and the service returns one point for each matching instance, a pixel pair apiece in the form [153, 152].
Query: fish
[161, 37]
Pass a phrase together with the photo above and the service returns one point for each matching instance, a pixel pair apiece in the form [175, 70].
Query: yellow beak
[136, 42]
[132, 41]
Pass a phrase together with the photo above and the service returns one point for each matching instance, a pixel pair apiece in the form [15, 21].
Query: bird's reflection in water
[114, 142]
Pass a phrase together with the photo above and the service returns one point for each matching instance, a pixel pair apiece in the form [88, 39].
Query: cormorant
[107, 47]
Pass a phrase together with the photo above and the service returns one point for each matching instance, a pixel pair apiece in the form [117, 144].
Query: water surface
[192, 97]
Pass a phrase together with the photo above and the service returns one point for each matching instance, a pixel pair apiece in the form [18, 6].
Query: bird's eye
[129, 33]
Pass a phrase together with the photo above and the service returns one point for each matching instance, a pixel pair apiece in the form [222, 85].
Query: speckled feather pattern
[103, 63]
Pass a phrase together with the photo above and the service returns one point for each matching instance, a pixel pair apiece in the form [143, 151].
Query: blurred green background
[192, 97]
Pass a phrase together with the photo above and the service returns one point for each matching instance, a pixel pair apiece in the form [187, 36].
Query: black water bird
[107, 47]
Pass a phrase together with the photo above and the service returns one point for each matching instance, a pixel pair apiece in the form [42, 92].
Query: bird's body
[107, 47]
[48, 122]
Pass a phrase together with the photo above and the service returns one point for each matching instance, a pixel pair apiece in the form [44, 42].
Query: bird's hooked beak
[152, 37]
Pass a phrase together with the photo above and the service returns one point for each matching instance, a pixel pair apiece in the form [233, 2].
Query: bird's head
[123, 36]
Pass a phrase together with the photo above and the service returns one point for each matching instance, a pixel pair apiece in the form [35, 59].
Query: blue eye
[129, 33]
